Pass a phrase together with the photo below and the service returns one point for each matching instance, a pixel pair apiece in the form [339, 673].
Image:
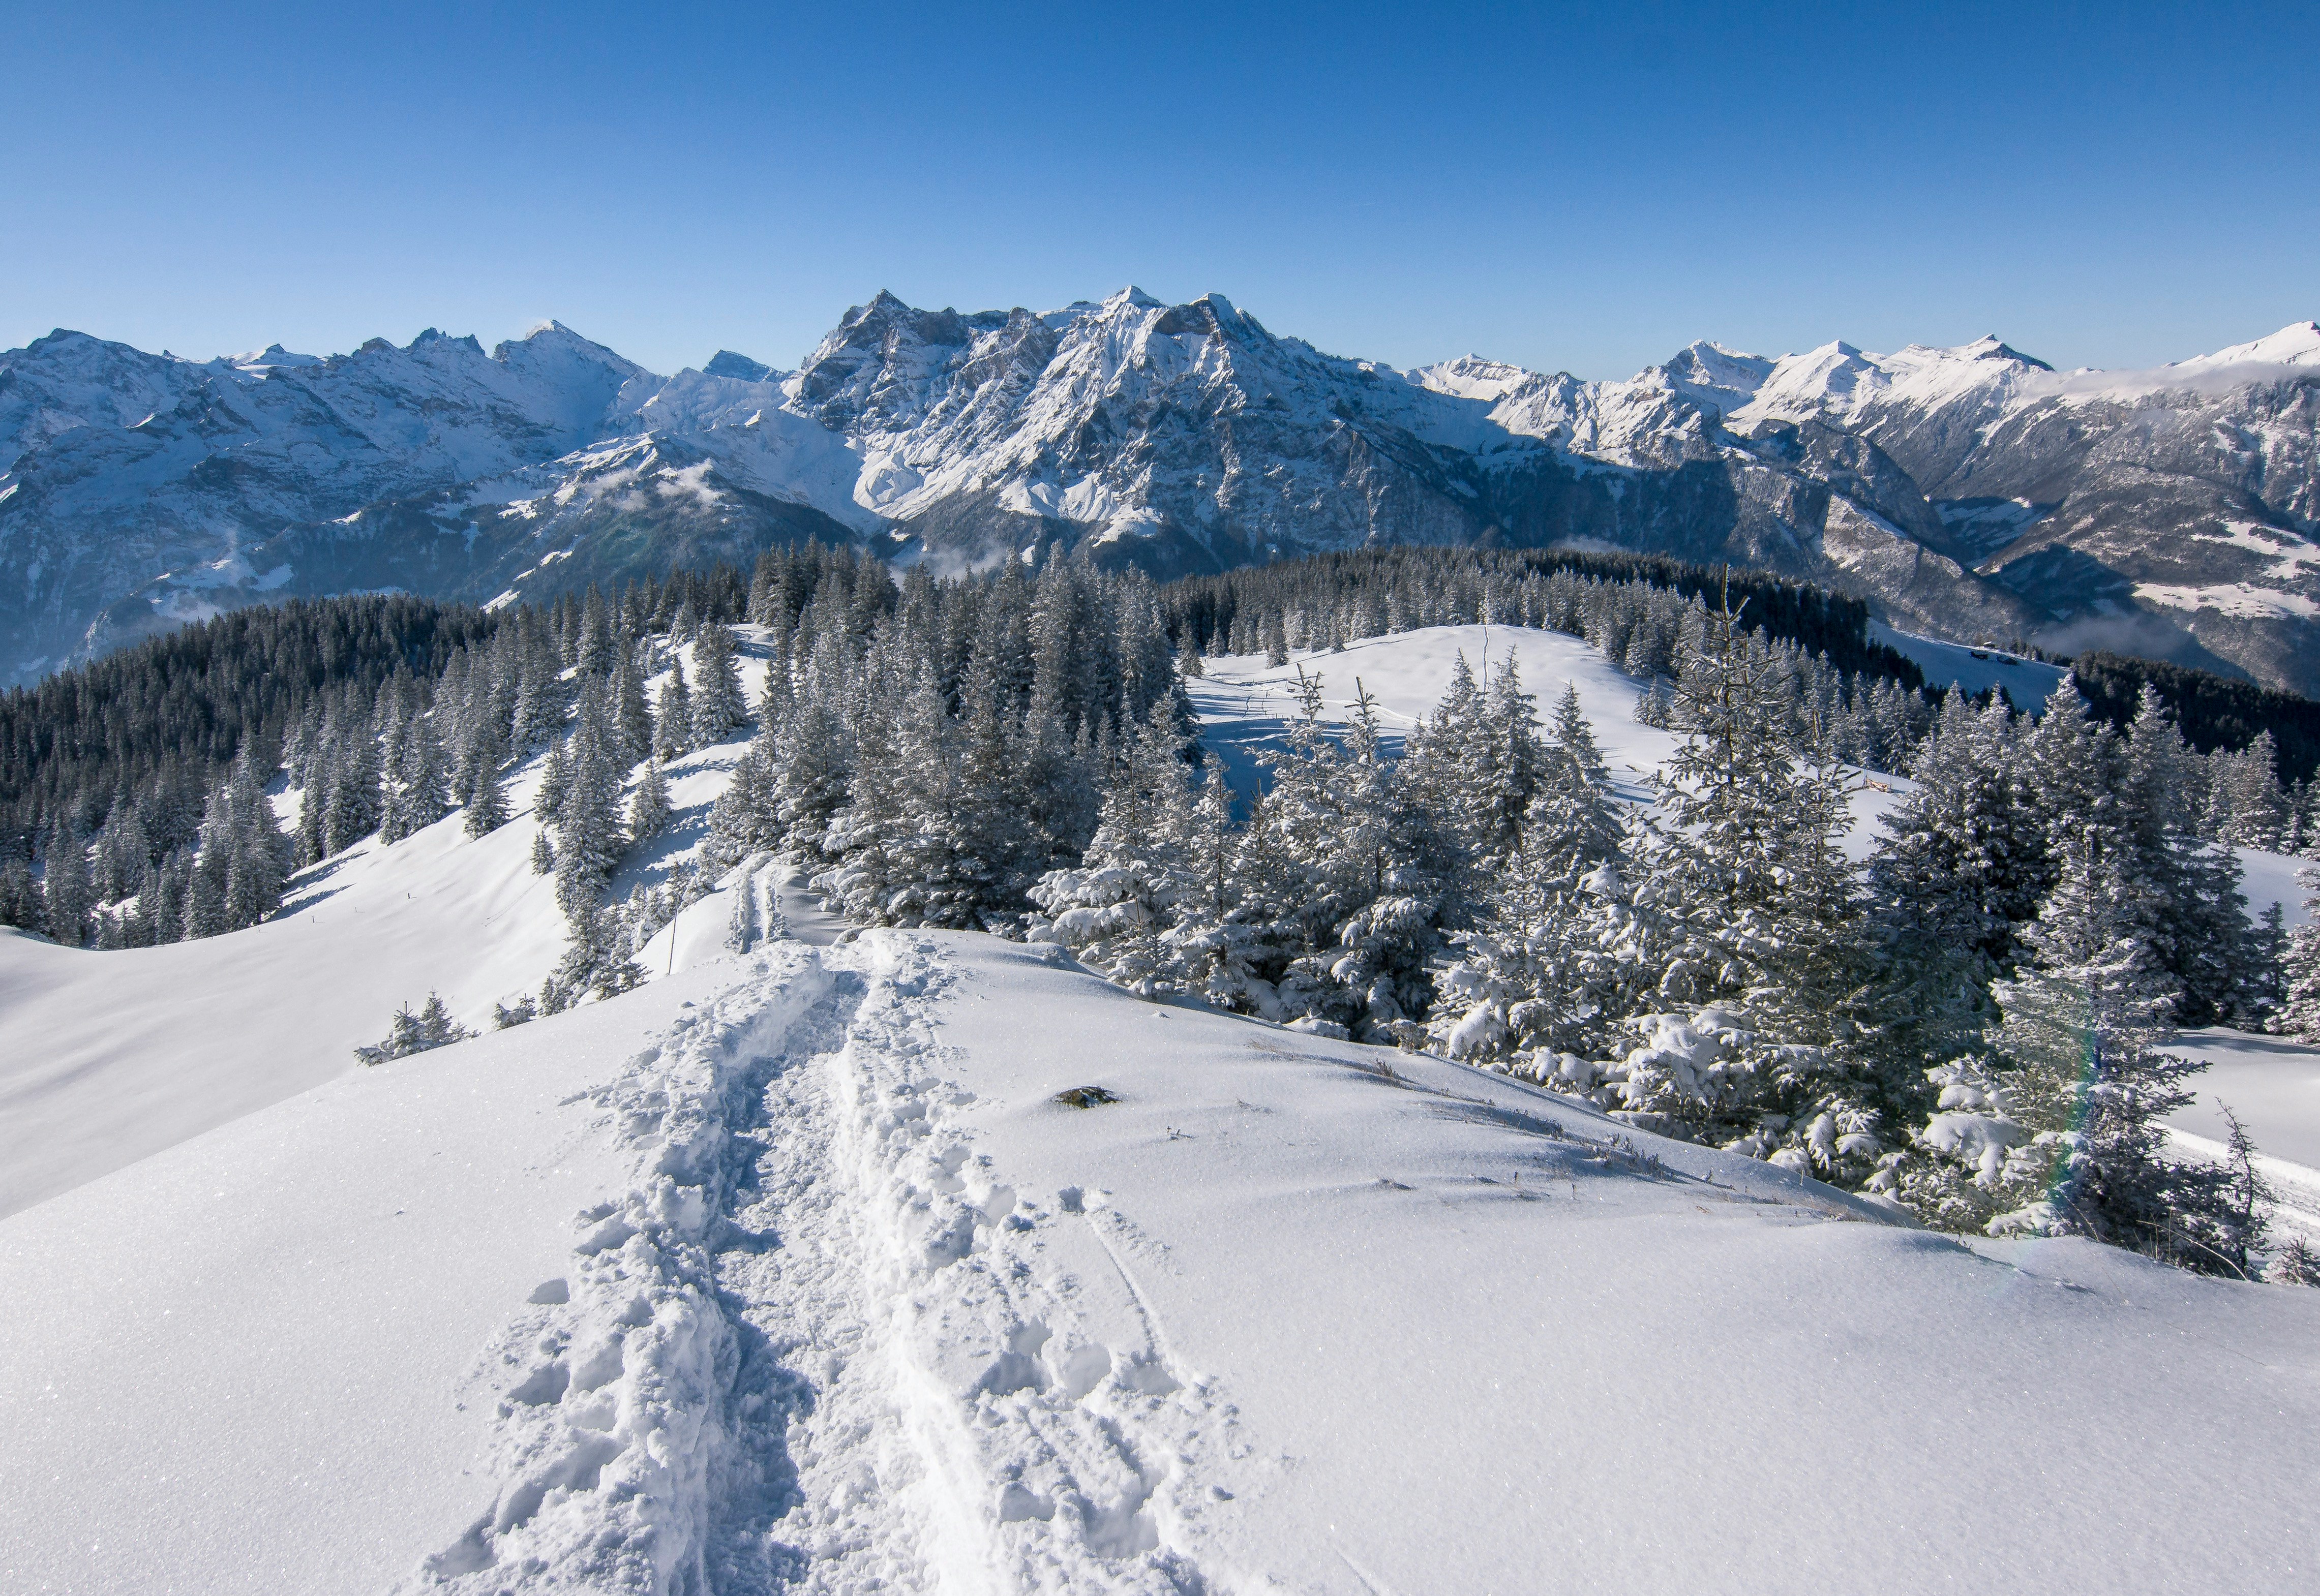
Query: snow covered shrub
[1974, 1158]
[648, 807]
[748, 925]
[417, 777]
[589, 838]
[597, 964]
[2085, 1030]
[2295, 1262]
[673, 716]
[1216, 940]
[1333, 905]
[1114, 910]
[1372, 979]
[1112, 917]
[2299, 1014]
[1550, 968]
[2060, 1132]
[743, 820]
[20, 895]
[648, 908]
[483, 794]
[432, 1027]
[1746, 908]
[717, 704]
[1655, 708]
[2231, 1225]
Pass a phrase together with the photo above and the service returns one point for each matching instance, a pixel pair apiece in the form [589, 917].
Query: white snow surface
[2268, 879]
[114, 1056]
[107, 1058]
[1246, 705]
[2296, 344]
[2273, 1086]
[2269, 1081]
[239, 1364]
[790, 1272]
[2028, 683]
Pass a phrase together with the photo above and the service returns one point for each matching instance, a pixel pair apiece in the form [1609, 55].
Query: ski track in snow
[821, 1344]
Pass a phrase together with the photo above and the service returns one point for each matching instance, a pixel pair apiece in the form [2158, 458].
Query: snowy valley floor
[789, 1273]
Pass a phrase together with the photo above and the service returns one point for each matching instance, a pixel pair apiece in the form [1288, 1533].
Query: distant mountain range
[1973, 493]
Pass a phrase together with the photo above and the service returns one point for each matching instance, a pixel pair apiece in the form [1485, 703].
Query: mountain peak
[1471, 376]
[2296, 344]
[435, 336]
[63, 338]
[725, 363]
[1708, 366]
[269, 358]
[1211, 313]
[550, 346]
[552, 331]
[1988, 347]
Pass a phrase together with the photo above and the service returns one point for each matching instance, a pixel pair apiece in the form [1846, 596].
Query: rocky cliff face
[1973, 493]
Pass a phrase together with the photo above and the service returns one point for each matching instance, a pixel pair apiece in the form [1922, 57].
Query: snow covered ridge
[1971, 492]
[623, 1426]
[850, 1302]
[642, 1441]
[931, 1261]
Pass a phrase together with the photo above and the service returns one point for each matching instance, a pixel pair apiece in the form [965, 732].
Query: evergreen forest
[1972, 1023]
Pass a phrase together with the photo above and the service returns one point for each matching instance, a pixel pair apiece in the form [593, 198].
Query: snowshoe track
[1055, 1444]
[613, 1438]
[821, 1344]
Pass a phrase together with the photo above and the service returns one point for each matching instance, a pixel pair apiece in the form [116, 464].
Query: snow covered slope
[813, 1284]
[1245, 705]
[105, 1058]
[2028, 683]
[242, 1362]
[115, 1056]
[790, 1271]
[2267, 1081]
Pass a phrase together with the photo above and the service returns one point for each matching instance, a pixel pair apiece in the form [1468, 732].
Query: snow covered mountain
[139, 491]
[1973, 493]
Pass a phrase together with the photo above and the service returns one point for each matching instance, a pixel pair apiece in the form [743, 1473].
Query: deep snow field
[788, 1272]
[111, 1057]
[2029, 683]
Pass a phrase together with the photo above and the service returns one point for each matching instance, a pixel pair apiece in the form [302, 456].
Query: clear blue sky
[1584, 188]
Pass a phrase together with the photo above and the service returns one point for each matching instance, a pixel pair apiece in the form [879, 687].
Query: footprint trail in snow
[823, 1344]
